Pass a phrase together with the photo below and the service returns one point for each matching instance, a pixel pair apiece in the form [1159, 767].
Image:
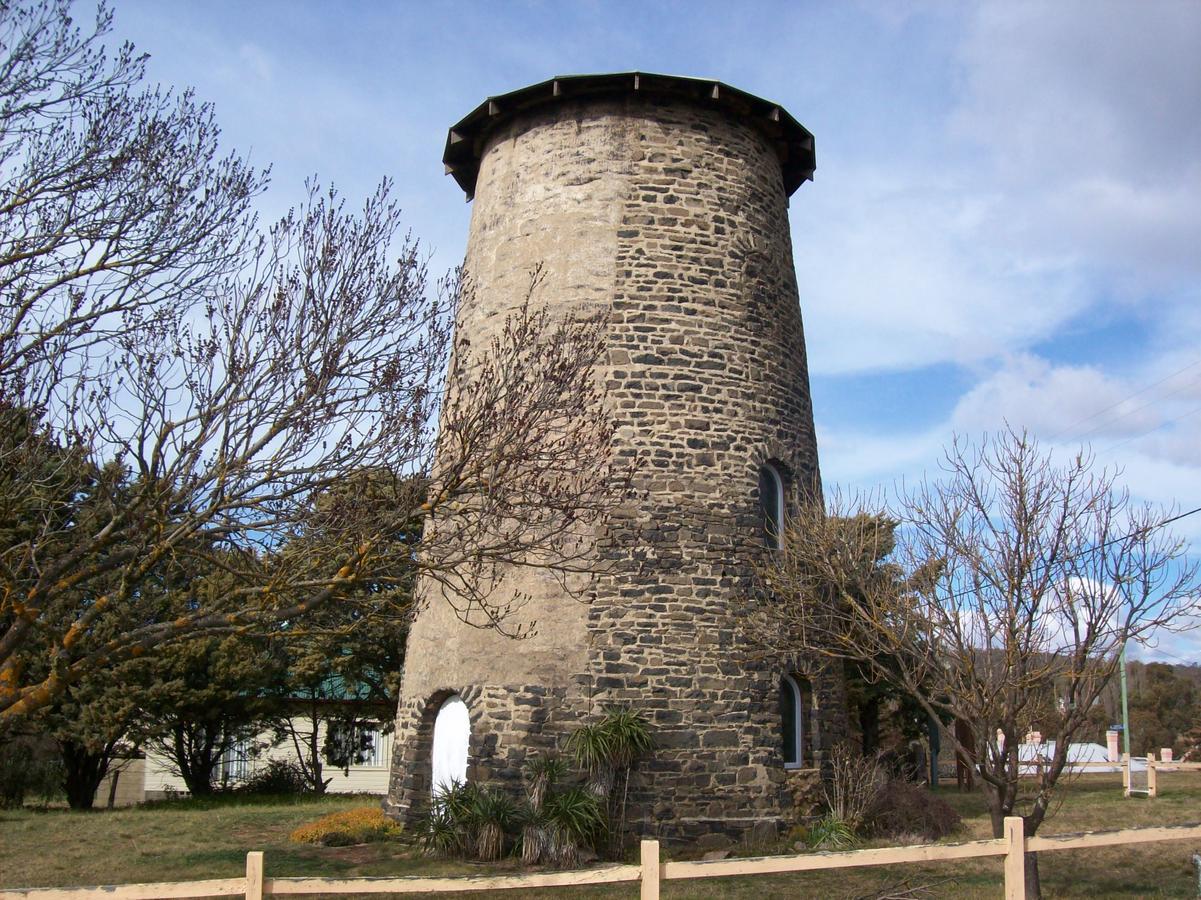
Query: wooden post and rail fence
[1141, 781]
[650, 873]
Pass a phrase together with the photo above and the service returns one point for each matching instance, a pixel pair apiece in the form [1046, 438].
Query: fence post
[1015, 858]
[254, 875]
[650, 870]
[1151, 776]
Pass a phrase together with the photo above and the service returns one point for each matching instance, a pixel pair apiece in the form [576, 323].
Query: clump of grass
[830, 833]
[341, 829]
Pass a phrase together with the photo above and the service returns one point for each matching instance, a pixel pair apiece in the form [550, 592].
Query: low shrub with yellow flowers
[354, 826]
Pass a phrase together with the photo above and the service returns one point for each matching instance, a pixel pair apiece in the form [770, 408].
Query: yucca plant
[575, 818]
[447, 828]
[542, 773]
[535, 834]
[591, 746]
[608, 750]
[492, 815]
[439, 833]
[629, 736]
[458, 799]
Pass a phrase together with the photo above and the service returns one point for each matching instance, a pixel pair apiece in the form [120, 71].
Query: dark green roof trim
[793, 143]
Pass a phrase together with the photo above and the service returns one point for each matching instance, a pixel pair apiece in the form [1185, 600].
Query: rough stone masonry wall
[708, 382]
[549, 193]
[674, 218]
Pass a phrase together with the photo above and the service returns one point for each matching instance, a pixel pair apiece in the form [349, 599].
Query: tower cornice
[792, 142]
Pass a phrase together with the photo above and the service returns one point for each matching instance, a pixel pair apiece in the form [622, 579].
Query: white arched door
[452, 732]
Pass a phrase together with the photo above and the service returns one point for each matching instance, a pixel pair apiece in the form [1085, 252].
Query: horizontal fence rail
[650, 873]
[213, 887]
[414, 884]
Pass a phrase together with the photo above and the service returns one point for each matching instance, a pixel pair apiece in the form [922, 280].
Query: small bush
[28, 769]
[277, 777]
[854, 787]
[354, 826]
[903, 808]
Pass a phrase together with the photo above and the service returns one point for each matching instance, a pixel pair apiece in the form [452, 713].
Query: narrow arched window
[794, 713]
[771, 505]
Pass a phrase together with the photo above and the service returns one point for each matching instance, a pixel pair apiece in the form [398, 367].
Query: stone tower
[664, 200]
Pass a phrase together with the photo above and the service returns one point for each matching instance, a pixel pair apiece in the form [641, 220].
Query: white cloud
[896, 272]
[1062, 174]
[256, 61]
[1146, 426]
[1084, 113]
[1055, 401]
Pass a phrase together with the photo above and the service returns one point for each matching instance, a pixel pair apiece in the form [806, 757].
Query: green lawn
[185, 840]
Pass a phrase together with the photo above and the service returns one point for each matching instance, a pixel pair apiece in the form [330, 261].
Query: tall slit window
[771, 505]
[795, 697]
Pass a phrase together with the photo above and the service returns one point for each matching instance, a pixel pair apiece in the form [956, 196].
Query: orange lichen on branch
[10, 675]
[349, 570]
[79, 626]
[32, 698]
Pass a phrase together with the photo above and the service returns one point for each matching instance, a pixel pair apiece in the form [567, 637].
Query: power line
[1138, 393]
[1175, 419]
[1137, 409]
[1178, 659]
[1111, 541]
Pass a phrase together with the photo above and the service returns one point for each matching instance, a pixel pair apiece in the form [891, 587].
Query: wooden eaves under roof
[792, 141]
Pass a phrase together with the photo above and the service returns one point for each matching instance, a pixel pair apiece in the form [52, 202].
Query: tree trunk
[1033, 886]
[193, 752]
[998, 809]
[315, 756]
[112, 789]
[869, 725]
[84, 770]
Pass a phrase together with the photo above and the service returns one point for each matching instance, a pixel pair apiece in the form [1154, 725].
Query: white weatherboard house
[150, 776]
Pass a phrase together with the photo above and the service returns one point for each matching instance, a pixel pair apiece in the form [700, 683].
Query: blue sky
[1005, 221]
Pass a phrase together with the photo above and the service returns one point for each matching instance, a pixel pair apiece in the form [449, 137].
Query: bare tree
[114, 202]
[1000, 597]
[188, 399]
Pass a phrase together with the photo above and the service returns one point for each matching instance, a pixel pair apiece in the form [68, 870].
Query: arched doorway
[452, 733]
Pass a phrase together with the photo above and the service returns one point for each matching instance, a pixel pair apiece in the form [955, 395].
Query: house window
[235, 762]
[771, 505]
[354, 742]
[373, 750]
[795, 702]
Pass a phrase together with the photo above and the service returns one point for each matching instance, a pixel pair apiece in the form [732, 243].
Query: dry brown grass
[183, 840]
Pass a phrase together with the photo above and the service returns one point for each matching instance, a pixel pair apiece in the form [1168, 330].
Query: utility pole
[1125, 707]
